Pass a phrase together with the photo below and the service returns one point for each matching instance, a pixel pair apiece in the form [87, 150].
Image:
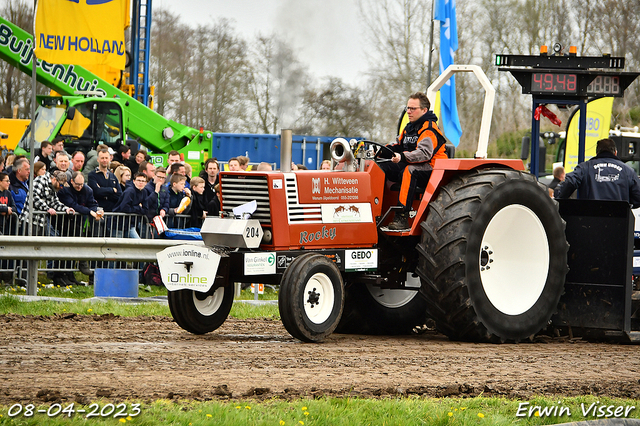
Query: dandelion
[450, 414]
[247, 407]
[209, 415]
[129, 418]
[536, 414]
[122, 421]
[306, 413]
[238, 407]
[89, 310]
[301, 422]
[481, 415]
[281, 422]
[58, 285]
[304, 408]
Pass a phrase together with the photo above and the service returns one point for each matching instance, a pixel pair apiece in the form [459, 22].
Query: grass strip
[330, 412]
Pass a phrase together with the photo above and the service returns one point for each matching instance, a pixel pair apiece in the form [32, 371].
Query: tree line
[212, 76]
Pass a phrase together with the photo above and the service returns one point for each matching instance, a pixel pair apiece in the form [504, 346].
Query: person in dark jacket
[415, 151]
[157, 194]
[19, 179]
[79, 197]
[603, 177]
[198, 203]
[105, 185]
[134, 200]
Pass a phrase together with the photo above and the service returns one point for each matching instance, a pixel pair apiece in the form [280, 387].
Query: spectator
[103, 183]
[301, 167]
[79, 197]
[19, 183]
[234, 165]
[113, 165]
[46, 150]
[45, 198]
[58, 146]
[179, 169]
[146, 168]
[210, 177]
[2, 163]
[173, 157]
[264, 167]
[8, 162]
[7, 205]
[198, 202]
[124, 157]
[176, 194]
[140, 156]
[189, 171]
[326, 165]
[39, 169]
[91, 162]
[157, 194]
[77, 161]
[243, 160]
[558, 176]
[123, 174]
[133, 201]
[62, 164]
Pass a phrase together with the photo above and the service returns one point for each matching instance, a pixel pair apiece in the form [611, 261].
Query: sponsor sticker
[360, 260]
[277, 184]
[346, 213]
[259, 263]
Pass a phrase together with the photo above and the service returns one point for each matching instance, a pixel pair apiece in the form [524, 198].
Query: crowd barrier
[112, 225]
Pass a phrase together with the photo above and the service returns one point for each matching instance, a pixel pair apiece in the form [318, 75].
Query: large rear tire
[201, 313]
[311, 297]
[493, 257]
[374, 311]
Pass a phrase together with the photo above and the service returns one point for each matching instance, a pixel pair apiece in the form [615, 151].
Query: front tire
[311, 297]
[198, 312]
[493, 257]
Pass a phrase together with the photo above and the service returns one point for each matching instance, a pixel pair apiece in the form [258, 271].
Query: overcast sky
[327, 34]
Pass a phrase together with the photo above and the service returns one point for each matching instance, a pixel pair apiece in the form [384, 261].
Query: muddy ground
[79, 358]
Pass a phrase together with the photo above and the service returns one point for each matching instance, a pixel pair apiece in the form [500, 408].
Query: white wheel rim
[514, 259]
[210, 304]
[395, 298]
[319, 298]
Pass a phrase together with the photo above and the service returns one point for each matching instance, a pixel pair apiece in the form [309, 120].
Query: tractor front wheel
[201, 313]
[311, 297]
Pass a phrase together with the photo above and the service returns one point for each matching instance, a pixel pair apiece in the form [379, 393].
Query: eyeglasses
[413, 108]
[74, 183]
[141, 180]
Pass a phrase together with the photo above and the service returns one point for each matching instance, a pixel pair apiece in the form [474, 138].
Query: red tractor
[485, 258]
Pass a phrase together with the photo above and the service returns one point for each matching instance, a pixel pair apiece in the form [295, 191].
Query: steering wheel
[381, 147]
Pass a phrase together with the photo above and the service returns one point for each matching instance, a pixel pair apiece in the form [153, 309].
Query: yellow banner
[82, 32]
[598, 125]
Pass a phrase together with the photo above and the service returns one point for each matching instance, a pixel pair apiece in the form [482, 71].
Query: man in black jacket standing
[604, 177]
[104, 183]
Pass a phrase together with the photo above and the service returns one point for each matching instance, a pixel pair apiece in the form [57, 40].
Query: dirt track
[79, 358]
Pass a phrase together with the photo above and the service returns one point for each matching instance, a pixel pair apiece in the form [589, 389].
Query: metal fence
[111, 225]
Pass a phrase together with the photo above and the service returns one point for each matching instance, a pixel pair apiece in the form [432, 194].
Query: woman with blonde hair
[123, 174]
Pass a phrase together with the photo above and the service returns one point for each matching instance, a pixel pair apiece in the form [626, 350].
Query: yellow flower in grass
[209, 415]
[122, 421]
[247, 407]
[281, 422]
[238, 407]
[301, 422]
[304, 408]
[481, 415]
[449, 414]
[536, 414]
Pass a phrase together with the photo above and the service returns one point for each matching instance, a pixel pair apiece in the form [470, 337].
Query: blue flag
[449, 120]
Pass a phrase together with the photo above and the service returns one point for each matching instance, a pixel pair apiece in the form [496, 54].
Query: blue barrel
[115, 282]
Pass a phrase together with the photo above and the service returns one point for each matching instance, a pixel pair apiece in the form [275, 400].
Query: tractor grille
[307, 213]
[241, 189]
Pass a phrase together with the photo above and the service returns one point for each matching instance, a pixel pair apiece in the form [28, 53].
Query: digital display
[604, 85]
[547, 82]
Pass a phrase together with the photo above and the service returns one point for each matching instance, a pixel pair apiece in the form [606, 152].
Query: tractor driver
[604, 177]
[416, 149]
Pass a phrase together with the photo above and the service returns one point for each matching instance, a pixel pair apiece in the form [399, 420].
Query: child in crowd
[198, 202]
[176, 194]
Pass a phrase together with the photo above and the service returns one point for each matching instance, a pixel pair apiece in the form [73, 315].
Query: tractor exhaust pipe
[286, 146]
